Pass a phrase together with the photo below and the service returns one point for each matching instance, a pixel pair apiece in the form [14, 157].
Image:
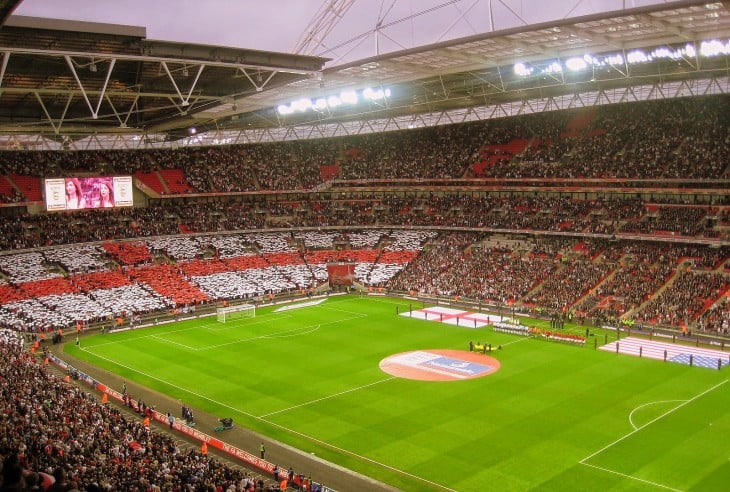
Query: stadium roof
[79, 83]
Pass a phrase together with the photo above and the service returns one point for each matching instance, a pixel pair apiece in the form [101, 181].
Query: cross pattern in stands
[675, 352]
[450, 316]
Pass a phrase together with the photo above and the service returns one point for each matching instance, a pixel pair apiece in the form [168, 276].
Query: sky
[277, 25]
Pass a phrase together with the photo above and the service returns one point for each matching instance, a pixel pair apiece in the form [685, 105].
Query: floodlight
[616, 59]
[302, 104]
[334, 101]
[662, 53]
[554, 67]
[522, 70]
[284, 109]
[575, 64]
[373, 94]
[636, 56]
[714, 47]
[349, 97]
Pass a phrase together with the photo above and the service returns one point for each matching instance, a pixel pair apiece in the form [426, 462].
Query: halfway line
[263, 416]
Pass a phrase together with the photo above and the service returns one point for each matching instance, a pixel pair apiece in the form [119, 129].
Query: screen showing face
[88, 192]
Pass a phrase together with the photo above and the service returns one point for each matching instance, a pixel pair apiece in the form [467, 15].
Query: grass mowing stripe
[526, 426]
[326, 397]
[686, 402]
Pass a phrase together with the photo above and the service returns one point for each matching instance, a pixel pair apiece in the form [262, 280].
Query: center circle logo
[439, 365]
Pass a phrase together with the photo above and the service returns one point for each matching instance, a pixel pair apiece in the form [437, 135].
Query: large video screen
[88, 192]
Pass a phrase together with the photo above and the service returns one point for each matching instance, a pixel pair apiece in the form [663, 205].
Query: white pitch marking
[610, 445]
[326, 397]
[631, 415]
[291, 431]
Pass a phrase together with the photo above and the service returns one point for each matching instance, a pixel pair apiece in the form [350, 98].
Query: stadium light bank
[330, 102]
[707, 49]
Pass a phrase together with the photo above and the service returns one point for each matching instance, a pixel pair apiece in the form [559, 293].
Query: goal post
[228, 313]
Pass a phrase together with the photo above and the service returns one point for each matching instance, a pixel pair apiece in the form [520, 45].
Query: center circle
[439, 365]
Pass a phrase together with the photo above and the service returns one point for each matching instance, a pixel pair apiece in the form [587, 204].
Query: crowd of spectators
[602, 281]
[54, 429]
[514, 212]
[568, 284]
[56, 436]
[677, 139]
[685, 221]
[172, 272]
[641, 271]
[630, 141]
[684, 298]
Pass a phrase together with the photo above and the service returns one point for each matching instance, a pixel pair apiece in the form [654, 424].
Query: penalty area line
[637, 429]
[614, 472]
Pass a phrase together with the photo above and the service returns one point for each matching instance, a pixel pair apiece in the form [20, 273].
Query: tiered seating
[377, 274]
[100, 280]
[495, 275]
[684, 299]
[77, 259]
[78, 307]
[364, 239]
[330, 256]
[228, 246]
[518, 212]
[716, 320]
[316, 239]
[244, 284]
[51, 286]
[226, 285]
[319, 272]
[409, 240]
[630, 285]
[129, 253]
[492, 155]
[29, 186]
[26, 267]
[282, 259]
[9, 318]
[568, 285]
[7, 191]
[35, 316]
[128, 299]
[202, 267]
[10, 293]
[176, 181]
[272, 242]
[397, 257]
[300, 275]
[327, 172]
[248, 262]
[152, 180]
[685, 221]
[165, 280]
[177, 248]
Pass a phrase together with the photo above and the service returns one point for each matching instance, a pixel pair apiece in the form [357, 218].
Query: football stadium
[493, 259]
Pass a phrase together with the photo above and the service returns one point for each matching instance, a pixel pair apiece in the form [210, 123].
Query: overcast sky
[277, 25]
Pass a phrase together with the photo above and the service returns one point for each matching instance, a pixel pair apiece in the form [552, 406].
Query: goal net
[228, 313]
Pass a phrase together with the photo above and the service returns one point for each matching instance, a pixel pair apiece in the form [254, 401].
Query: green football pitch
[553, 417]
